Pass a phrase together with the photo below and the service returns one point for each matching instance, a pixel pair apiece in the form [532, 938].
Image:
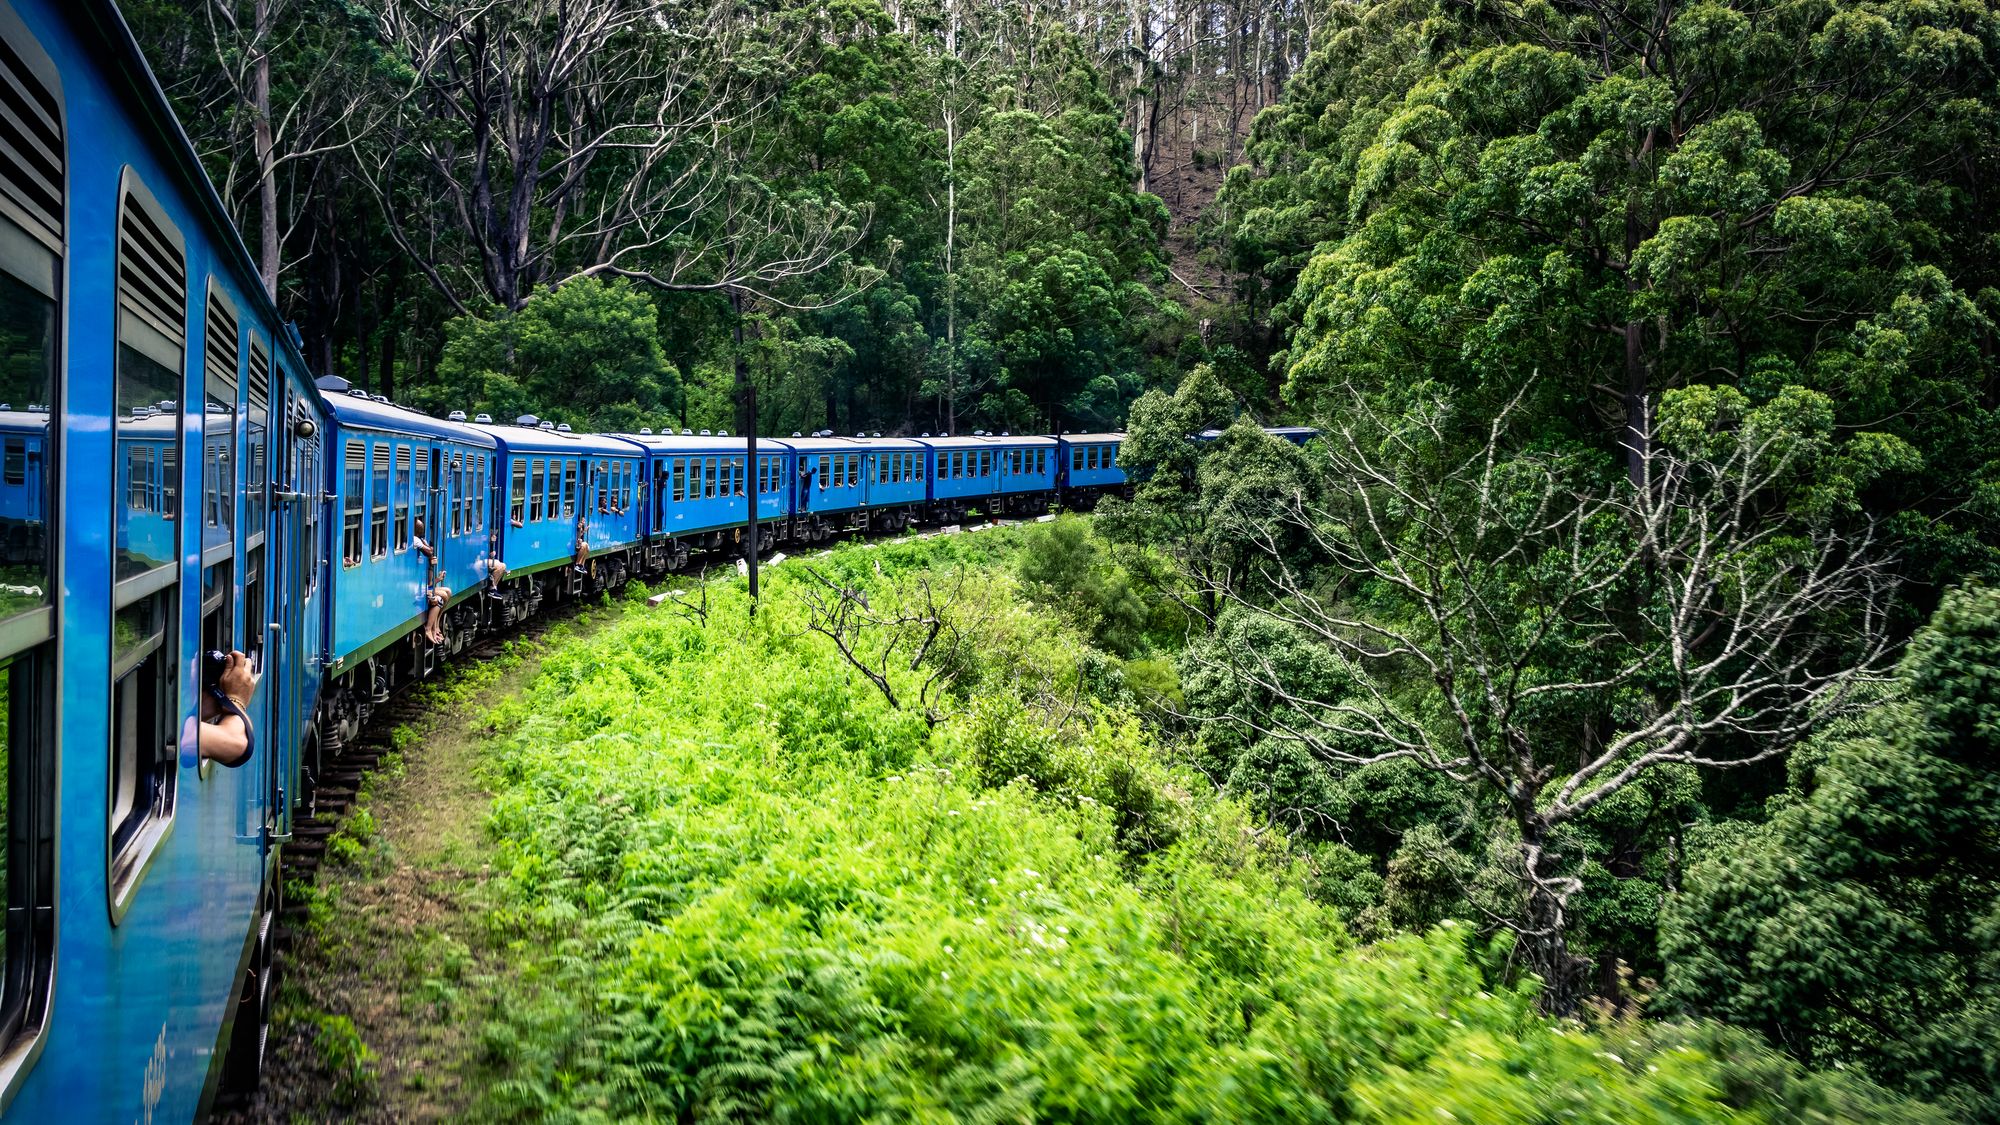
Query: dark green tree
[1860, 926]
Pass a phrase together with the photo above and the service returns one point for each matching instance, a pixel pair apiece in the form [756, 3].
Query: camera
[213, 664]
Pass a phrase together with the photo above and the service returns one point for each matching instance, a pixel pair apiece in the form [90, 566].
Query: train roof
[699, 443]
[15, 421]
[980, 441]
[1295, 434]
[852, 444]
[355, 409]
[1092, 437]
[522, 437]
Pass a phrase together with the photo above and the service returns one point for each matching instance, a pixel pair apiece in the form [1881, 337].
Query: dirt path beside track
[395, 959]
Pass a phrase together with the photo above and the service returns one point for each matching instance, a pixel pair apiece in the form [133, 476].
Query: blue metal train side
[149, 940]
[402, 479]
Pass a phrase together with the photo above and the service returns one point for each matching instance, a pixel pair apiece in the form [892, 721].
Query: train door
[288, 559]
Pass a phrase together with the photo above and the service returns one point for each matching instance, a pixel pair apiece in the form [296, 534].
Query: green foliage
[757, 891]
[344, 1056]
[588, 354]
[1860, 926]
[1456, 196]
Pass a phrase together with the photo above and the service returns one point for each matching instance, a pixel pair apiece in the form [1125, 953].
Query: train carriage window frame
[33, 230]
[400, 490]
[378, 499]
[153, 288]
[353, 479]
[538, 487]
[517, 492]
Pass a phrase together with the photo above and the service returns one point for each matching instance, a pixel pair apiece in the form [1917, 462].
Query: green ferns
[746, 888]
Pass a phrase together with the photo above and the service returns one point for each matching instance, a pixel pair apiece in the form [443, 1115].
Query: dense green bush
[751, 889]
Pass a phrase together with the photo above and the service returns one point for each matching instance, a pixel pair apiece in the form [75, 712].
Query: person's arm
[227, 738]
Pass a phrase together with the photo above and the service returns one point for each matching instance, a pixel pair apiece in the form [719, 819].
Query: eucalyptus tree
[544, 141]
[1632, 197]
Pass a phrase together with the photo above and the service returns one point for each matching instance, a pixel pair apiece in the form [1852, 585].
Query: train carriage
[411, 496]
[144, 363]
[835, 490]
[553, 489]
[1087, 468]
[698, 488]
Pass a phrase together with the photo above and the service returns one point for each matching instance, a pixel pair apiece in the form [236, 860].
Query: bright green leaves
[1724, 166]
[587, 354]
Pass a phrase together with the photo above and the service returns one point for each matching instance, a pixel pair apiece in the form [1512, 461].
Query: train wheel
[250, 1036]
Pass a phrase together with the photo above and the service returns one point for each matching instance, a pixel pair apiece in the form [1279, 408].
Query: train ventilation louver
[152, 278]
[31, 144]
[219, 347]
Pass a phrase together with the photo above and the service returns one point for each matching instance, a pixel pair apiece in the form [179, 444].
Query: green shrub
[743, 887]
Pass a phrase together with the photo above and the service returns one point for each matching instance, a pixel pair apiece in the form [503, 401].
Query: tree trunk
[746, 424]
[1544, 941]
[267, 175]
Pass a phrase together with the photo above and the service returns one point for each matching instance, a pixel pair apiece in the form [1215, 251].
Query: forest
[1619, 661]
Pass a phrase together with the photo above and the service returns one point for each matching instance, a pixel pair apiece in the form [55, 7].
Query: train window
[569, 487]
[537, 487]
[555, 485]
[825, 471]
[631, 483]
[144, 703]
[33, 174]
[353, 479]
[517, 494]
[152, 307]
[710, 469]
[378, 500]
[402, 491]
[678, 472]
[258, 416]
[221, 353]
[479, 494]
[27, 831]
[458, 497]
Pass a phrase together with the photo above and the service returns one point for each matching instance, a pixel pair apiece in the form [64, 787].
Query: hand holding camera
[228, 676]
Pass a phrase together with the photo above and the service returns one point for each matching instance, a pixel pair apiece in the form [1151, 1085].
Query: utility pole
[746, 424]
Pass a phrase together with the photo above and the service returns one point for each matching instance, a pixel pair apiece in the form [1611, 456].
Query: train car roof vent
[455, 416]
[877, 433]
[722, 433]
[927, 433]
[1004, 433]
[563, 428]
[356, 392]
[383, 399]
[333, 383]
[687, 433]
[528, 420]
[546, 425]
[168, 406]
[486, 419]
[795, 433]
[705, 433]
[645, 431]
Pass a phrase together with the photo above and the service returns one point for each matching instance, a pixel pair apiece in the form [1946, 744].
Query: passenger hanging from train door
[580, 561]
[436, 594]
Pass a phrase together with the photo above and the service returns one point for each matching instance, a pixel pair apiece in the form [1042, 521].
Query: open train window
[537, 488]
[420, 492]
[353, 480]
[457, 494]
[378, 500]
[145, 699]
[33, 217]
[517, 494]
[401, 487]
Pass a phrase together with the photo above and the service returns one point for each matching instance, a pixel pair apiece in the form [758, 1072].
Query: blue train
[173, 481]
